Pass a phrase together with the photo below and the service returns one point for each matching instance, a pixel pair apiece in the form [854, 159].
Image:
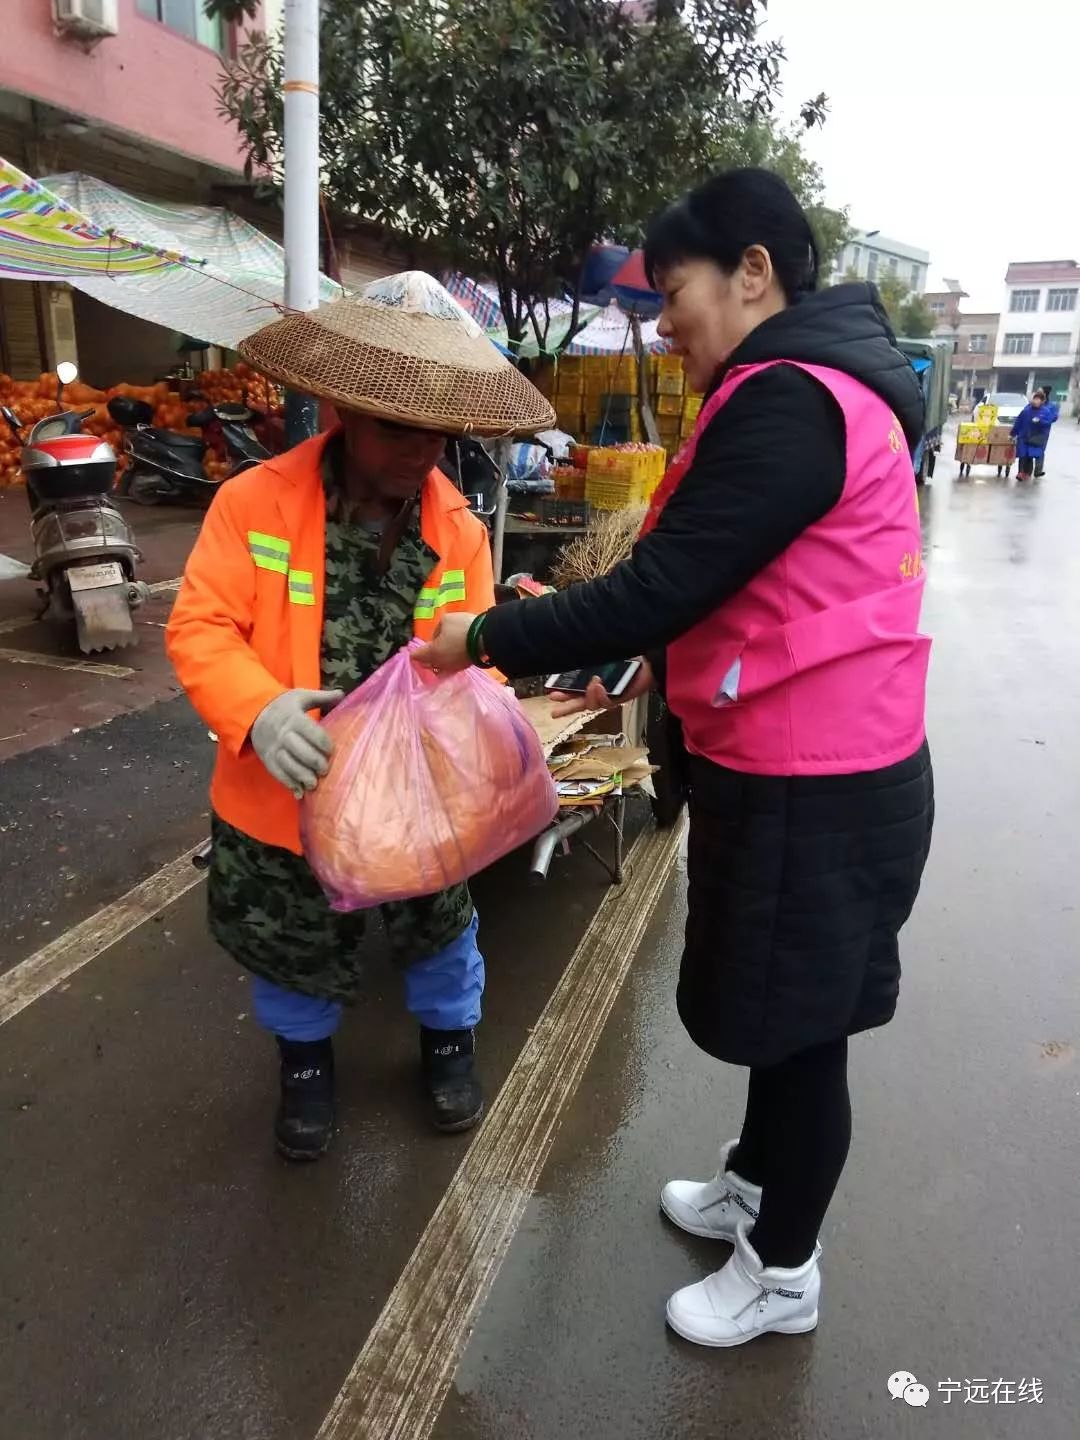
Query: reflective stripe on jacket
[247, 623]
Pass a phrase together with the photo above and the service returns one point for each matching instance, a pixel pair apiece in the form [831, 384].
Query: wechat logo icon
[904, 1386]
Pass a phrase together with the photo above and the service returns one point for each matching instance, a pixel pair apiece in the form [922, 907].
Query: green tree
[908, 313]
[512, 135]
[916, 318]
[781, 148]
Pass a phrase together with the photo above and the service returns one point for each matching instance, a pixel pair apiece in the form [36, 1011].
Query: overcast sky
[953, 126]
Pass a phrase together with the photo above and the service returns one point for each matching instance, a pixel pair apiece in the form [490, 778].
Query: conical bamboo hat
[404, 350]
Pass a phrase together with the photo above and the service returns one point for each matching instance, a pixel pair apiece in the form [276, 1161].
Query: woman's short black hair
[722, 218]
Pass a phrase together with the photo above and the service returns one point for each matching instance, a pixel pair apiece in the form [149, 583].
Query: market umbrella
[631, 284]
[601, 265]
[611, 333]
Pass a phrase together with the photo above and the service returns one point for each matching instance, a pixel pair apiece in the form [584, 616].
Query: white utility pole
[301, 98]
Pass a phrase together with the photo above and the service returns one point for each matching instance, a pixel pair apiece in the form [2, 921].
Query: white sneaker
[745, 1299]
[712, 1208]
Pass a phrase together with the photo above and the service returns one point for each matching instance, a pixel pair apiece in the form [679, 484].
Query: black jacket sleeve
[771, 462]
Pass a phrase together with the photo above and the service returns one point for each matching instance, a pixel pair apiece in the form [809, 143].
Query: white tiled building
[1038, 341]
[871, 256]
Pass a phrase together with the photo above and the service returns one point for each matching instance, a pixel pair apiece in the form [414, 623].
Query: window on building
[1024, 300]
[871, 266]
[938, 307]
[891, 264]
[1018, 344]
[914, 277]
[186, 17]
[1054, 342]
[977, 344]
[1061, 300]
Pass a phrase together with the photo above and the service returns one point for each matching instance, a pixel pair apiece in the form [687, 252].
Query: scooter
[234, 427]
[166, 465]
[85, 552]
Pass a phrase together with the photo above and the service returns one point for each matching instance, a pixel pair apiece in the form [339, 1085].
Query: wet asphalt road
[950, 1249]
[85, 819]
[162, 1275]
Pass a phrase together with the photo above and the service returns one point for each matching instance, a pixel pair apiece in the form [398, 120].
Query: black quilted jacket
[798, 886]
[770, 464]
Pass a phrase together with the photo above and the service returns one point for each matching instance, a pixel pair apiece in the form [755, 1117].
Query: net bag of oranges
[432, 778]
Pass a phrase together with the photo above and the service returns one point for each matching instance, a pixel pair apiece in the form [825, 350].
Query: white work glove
[292, 746]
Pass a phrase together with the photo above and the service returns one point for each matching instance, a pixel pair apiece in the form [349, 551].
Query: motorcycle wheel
[144, 487]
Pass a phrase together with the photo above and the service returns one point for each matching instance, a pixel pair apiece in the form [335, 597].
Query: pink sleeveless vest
[817, 666]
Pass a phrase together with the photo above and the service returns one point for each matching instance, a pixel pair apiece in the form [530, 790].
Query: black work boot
[305, 1117]
[449, 1077]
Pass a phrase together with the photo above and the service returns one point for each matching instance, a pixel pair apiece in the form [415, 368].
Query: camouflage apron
[265, 905]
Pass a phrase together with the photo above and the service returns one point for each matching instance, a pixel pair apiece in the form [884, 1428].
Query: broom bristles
[609, 539]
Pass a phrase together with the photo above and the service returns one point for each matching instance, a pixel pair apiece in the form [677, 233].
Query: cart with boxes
[983, 441]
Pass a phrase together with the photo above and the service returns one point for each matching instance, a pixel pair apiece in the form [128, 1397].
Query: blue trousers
[442, 992]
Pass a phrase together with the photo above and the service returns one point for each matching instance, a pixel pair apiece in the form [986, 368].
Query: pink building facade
[136, 109]
[152, 83]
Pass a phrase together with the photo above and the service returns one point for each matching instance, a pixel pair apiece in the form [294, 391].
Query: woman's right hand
[597, 698]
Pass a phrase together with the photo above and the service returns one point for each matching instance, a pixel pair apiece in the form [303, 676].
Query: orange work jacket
[247, 623]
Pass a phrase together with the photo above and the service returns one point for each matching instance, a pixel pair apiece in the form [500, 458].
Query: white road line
[64, 662]
[39, 973]
[396, 1388]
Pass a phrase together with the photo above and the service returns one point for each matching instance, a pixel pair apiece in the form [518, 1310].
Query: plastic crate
[569, 482]
[565, 512]
[613, 494]
[670, 384]
[623, 475]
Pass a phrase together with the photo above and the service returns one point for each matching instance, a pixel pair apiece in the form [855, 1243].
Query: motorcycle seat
[176, 441]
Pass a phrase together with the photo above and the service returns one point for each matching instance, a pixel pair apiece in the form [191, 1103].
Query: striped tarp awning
[42, 237]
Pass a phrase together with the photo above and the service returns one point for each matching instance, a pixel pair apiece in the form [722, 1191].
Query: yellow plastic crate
[670, 385]
[669, 404]
[969, 434]
[614, 494]
[601, 461]
[634, 465]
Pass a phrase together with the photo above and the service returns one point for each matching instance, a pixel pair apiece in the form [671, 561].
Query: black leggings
[794, 1143]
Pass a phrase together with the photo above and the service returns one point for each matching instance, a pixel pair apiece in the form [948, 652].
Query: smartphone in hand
[615, 678]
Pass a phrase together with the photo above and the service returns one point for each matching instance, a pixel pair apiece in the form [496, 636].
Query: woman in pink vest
[776, 589]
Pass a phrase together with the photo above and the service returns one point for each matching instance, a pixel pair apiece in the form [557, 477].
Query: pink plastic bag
[433, 777]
